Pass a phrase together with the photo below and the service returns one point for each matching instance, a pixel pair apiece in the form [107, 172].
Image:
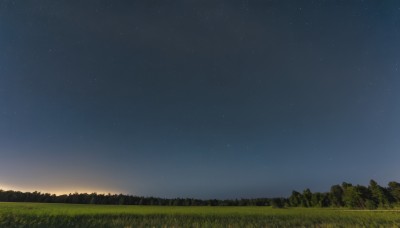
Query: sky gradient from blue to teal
[196, 98]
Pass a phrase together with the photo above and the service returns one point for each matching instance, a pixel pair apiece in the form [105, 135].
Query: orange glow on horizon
[60, 191]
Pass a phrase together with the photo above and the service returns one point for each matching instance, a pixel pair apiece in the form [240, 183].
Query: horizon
[198, 99]
[59, 193]
[83, 190]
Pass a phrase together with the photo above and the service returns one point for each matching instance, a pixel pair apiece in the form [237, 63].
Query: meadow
[75, 215]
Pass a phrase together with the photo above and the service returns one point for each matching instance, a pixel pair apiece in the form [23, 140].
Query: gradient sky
[198, 98]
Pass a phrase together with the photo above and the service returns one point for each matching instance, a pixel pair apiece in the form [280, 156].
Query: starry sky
[198, 98]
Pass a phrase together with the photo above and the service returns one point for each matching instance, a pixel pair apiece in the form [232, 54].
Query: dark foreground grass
[69, 215]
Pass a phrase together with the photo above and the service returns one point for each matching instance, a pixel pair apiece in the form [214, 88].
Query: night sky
[198, 98]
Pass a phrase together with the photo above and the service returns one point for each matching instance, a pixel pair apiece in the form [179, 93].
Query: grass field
[72, 215]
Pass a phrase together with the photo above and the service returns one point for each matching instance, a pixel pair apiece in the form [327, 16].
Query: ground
[74, 215]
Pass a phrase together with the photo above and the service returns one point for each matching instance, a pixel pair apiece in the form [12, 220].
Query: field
[73, 215]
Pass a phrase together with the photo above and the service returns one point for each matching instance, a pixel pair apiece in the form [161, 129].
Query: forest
[346, 195]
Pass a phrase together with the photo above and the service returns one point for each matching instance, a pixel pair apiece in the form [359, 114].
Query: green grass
[72, 215]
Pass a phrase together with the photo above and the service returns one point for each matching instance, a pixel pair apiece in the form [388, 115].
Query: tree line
[345, 195]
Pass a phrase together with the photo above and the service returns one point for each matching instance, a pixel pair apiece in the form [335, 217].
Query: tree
[394, 191]
[371, 205]
[307, 195]
[325, 201]
[295, 199]
[316, 199]
[355, 196]
[277, 203]
[378, 194]
[336, 196]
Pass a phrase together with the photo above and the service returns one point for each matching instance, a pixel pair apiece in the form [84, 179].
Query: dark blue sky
[198, 98]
